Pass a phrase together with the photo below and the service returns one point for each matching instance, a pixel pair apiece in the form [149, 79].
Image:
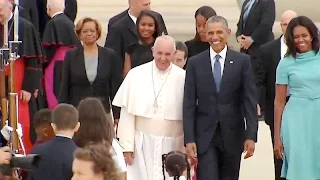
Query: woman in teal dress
[297, 123]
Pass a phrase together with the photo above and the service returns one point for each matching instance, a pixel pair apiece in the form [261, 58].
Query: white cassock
[145, 130]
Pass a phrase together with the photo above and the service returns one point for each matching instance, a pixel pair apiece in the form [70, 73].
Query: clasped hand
[244, 41]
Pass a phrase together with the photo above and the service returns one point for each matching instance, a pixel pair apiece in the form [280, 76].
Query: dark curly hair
[312, 28]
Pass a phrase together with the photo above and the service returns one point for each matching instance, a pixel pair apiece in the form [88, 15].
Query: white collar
[11, 15]
[134, 19]
[223, 53]
[57, 13]
[282, 39]
[158, 71]
[61, 135]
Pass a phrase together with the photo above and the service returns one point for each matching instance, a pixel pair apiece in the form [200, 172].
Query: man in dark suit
[255, 27]
[30, 9]
[271, 53]
[57, 154]
[220, 106]
[123, 32]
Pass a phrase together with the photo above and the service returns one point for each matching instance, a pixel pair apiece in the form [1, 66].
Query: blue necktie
[217, 72]
[247, 9]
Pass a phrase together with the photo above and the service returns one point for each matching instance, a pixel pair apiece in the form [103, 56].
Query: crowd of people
[148, 107]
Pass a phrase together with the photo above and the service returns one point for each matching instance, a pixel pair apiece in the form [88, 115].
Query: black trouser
[277, 162]
[216, 163]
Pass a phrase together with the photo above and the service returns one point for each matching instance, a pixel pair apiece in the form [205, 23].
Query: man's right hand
[128, 157]
[5, 155]
[191, 149]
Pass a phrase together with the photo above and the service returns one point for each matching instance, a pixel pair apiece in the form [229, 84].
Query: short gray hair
[168, 38]
[218, 19]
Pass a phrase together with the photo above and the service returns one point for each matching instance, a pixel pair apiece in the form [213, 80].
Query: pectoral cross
[155, 106]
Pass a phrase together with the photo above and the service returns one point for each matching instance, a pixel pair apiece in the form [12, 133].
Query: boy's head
[42, 124]
[181, 55]
[65, 120]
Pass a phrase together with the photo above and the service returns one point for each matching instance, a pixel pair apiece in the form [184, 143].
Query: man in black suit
[271, 53]
[30, 9]
[123, 32]
[57, 154]
[220, 106]
[255, 27]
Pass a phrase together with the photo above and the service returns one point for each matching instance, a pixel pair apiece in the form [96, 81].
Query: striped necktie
[247, 9]
[217, 72]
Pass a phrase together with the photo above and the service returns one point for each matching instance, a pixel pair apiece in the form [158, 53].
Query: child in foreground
[175, 163]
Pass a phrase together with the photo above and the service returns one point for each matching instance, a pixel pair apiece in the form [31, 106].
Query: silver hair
[218, 19]
[168, 38]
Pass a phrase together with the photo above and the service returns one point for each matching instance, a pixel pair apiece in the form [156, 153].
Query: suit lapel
[131, 25]
[226, 70]
[81, 63]
[277, 51]
[253, 6]
[100, 63]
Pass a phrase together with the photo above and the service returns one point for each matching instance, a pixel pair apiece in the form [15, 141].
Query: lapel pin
[231, 62]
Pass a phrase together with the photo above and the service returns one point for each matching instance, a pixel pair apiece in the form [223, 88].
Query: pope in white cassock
[150, 122]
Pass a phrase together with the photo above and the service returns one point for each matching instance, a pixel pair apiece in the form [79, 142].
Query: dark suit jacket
[117, 17]
[266, 78]
[75, 85]
[204, 107]
[124, 33]
[71, 9]
[56, 159]
[30, 12]
[258, 25]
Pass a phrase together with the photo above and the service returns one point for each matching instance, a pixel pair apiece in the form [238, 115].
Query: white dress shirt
[284, 47]
[134, 19]
[57, 13]
[223, 55]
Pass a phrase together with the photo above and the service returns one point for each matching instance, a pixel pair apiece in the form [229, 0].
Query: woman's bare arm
[279, 104]
[127, 65]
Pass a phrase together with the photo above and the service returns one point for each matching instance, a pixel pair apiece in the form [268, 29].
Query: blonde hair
[81, 22]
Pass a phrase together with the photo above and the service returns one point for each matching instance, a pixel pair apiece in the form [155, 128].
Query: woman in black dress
[199, 43]
[140, 53]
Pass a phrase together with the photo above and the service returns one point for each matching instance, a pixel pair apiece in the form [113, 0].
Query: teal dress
[300, 127]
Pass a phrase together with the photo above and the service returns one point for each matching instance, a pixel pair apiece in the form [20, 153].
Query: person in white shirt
[150, 122]
[270, 56]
